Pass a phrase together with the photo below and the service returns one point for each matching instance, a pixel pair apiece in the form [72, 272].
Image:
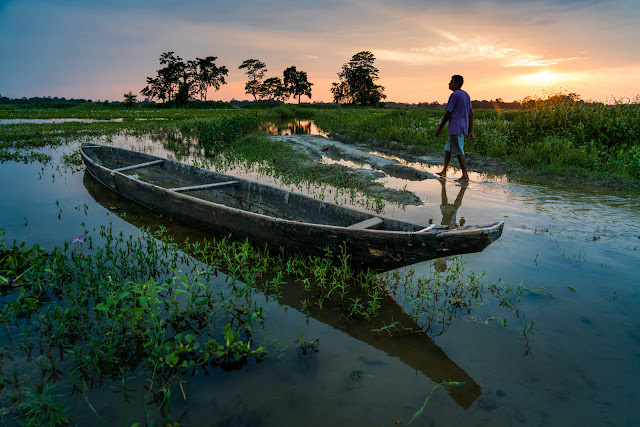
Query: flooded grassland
[130, 316]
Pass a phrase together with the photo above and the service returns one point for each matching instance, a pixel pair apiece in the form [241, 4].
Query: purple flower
[79, 239]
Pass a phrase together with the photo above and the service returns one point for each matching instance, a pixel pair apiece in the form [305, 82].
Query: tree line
[180, 81]
[41, 100]
[497, 104]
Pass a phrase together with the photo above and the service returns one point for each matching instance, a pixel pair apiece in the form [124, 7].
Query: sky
[507, 49]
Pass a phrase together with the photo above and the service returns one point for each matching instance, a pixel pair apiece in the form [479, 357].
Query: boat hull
[366, 248]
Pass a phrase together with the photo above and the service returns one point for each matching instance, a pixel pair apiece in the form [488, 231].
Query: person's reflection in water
[449, 212]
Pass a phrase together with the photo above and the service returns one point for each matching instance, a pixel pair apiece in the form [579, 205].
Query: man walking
[460, 117]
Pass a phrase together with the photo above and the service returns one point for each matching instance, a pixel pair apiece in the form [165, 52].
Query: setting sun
[541, 78]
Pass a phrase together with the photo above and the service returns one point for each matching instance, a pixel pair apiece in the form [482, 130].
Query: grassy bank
[557, 137]
[554, 136]
[228, 137]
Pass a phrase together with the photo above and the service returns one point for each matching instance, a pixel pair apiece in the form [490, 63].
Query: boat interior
[239, 193]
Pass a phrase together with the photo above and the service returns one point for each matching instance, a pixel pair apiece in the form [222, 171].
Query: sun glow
[541, 78]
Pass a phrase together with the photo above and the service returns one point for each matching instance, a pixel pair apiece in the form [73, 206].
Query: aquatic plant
[120, 307]
[307, 346]
[445, 384]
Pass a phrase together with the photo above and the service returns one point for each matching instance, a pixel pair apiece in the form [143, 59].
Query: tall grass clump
[561, 133]
[225, 128]
[407, 126]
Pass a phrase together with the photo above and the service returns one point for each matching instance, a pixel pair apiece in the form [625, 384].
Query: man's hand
[438, 132]
[471, 135]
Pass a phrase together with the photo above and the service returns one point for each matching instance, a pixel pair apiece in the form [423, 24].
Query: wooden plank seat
[374, 223]
[204, 186]
[141, 165]
[431, 227]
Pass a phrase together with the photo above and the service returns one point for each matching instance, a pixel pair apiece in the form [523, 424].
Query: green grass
[555, 136]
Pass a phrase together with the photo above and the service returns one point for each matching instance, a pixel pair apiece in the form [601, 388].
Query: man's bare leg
[447, 159]
[463, 165]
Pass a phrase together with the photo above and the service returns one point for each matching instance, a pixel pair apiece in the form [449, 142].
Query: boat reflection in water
[407, 342]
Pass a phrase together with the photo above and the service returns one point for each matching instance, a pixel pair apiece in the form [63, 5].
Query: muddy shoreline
[340, 147]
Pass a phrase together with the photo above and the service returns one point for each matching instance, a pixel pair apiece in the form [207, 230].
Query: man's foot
[463, 179]
[442, 174]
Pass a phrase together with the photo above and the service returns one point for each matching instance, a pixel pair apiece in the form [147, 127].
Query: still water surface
[577, 244]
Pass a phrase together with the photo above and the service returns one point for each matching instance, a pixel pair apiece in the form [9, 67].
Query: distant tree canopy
[357, 81]
[36, 100]
[130, 99]
[255, 70]
[272, 89]
[181, 81]
[296, 83]
[552, 98]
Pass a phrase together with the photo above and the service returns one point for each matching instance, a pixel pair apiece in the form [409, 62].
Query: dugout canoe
[406, 342]
[265, 214]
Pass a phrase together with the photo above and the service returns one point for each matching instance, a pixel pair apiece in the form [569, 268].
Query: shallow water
[577, 245]
[293, 127]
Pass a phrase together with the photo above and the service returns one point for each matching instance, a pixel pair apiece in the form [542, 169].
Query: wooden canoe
[406, 342]
[264, 214]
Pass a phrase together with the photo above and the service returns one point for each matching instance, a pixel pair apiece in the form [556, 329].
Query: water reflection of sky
[557, 237]
[558, 207]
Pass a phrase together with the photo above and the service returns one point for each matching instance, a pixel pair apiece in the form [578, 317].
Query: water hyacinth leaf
[144, 301]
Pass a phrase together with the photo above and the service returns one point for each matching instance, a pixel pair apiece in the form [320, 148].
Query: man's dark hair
[458, 79]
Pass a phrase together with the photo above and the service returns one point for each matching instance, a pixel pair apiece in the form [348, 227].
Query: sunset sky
[505, 49]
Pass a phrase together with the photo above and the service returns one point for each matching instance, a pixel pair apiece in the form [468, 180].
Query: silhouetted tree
[154, 89]
[171, 73]
[357, 79]
[209, 75]
[130, 99]
[296, 83]
[184, 79]
[272, 88]
[255, 71]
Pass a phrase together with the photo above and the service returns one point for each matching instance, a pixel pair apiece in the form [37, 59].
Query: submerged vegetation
[115, 311]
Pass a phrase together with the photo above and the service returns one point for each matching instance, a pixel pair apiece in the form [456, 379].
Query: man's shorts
[455, 145]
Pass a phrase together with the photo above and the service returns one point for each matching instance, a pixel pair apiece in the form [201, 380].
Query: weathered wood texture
[141, 165]
[370, 223]
[203, 186]
[277, 217]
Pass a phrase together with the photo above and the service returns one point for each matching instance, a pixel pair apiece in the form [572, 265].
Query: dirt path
[317, 147]
[367, 166]
[377, 159]
[339, 147]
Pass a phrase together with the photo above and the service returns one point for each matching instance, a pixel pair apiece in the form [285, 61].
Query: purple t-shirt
[459, 106]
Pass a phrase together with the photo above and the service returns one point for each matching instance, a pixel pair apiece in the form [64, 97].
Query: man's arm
[445, 119]
[471, 136]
